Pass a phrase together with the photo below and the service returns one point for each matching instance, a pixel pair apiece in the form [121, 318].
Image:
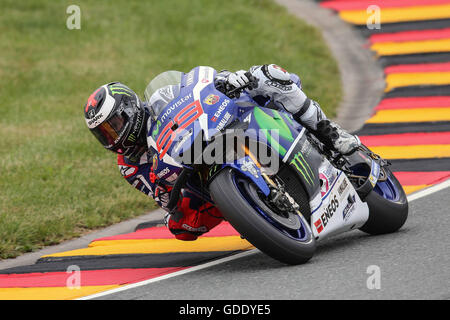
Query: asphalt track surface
[413, 263]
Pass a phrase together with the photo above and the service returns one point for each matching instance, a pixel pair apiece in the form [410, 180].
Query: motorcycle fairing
[340, 209]
[185, 117]
[288, 138]
[201, 109]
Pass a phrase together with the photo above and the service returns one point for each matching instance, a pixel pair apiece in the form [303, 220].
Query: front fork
[278, 197]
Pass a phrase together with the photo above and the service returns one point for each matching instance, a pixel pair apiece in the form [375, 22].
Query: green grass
[56, 181]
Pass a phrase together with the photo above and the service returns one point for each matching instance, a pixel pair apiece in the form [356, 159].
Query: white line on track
[412, 197]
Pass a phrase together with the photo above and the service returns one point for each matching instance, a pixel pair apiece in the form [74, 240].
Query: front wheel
[284, 237]
[388, 206]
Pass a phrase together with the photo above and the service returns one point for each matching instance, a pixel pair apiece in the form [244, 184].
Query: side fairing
[288, 138]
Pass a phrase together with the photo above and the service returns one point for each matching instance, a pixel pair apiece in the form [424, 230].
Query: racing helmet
[116, 117]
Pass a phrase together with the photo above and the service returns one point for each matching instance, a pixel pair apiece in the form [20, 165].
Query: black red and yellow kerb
[410, 127]
[411, 124]
[111, 262]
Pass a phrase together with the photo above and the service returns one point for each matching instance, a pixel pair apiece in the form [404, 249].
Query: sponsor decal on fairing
[211, 99]
[220, 110]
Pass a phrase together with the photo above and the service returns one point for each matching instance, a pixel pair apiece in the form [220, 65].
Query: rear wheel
[282, 235]
[388, 206]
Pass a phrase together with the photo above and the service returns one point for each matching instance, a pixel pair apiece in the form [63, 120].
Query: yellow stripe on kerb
[396, 80]
[411, 47]
[411, 115]
[411, 189]
[51, 293]
[150, 246]
[413, 152]
[390, 15]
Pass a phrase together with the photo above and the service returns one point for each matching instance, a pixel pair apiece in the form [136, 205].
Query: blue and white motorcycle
[304, 193]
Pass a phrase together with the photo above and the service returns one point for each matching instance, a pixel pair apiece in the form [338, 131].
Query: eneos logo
[322, 222]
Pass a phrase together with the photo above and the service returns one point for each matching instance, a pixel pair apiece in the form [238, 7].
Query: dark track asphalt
[414, 264]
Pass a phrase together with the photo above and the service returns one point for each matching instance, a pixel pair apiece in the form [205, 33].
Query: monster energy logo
[303, 167]
[132, 138]
[118, 89]
[213, 170]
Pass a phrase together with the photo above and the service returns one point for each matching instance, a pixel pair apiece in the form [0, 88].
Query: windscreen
[163, 79]
[162, 89]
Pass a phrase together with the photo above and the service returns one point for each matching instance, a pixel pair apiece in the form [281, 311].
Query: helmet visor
[110, 131]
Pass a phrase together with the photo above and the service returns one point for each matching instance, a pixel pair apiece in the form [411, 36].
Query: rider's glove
[238, 79]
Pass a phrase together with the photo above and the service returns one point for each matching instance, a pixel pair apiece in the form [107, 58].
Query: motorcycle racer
[120, 121]
[285, 91]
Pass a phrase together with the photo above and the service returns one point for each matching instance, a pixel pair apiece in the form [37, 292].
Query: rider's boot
[336, 138]
[327, 131]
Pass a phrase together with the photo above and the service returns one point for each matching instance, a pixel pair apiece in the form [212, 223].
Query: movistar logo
[303, 167]
[118, 89]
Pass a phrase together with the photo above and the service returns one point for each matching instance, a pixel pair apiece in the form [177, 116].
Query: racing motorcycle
[304, 193]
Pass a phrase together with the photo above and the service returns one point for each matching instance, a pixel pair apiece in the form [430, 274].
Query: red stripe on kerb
[414, 102]
[339, 5]
[407, 178]
[87, 278]
[423, 67]
[406, 139]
